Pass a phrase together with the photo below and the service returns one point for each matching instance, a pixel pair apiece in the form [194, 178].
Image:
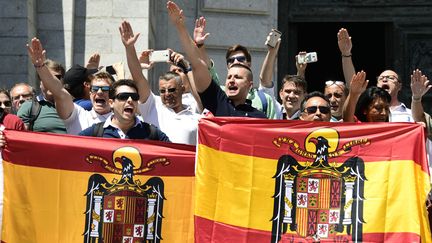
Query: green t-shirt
[47, 120]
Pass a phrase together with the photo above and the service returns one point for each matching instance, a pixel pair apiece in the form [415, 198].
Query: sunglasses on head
[238, 58]
[170, 90]
[331, 82]
[6, 103]
[313, 109]
[95, 88]
[125, 96]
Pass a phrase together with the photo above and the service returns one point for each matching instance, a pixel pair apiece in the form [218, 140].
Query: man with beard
[74, 116]
[124, 123]
[178, 121]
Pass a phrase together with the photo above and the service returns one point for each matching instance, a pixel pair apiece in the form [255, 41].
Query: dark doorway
[370, 52]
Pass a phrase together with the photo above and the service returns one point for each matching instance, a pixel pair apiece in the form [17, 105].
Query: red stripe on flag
[207, 230]
[67, 152]
[387, 140]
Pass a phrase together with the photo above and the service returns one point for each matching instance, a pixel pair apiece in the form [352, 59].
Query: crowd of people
[90, 101]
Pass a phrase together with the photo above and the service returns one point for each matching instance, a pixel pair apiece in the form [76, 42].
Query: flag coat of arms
[295, 181]
[61, 188]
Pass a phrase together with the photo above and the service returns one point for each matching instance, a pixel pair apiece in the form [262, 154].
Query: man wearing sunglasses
[40, 114]
[315, 107]
[337, 93]
[75, 117]
[124, 123]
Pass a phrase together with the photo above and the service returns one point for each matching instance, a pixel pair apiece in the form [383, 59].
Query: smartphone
[110, 70]
[307, 58]
[160, 56]
[273, 37]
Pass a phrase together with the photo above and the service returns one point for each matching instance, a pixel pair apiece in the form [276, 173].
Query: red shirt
[13, 122]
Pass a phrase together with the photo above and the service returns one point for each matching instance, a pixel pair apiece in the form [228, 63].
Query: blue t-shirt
[86, 104]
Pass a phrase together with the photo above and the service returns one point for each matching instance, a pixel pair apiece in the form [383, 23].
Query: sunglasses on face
[125, 96]
[6, 103]
[95, 88]
[313, 109]
[169, 91]
[388, 77]
[231, 60]
[331, 82]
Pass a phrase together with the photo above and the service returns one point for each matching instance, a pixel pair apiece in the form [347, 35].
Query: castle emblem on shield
[124, 210]
[320, 197]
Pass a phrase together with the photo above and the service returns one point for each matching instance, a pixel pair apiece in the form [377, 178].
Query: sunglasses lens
[6, 103]
[125, 96]
[324, 109]
[103, 88]
[311, 109]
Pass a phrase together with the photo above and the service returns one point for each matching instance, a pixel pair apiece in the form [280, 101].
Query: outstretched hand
[199, 32]
[127, 36]
[93, 61]
[175, 13]
[344, 42]
[301, 67]
[419, 84]
[36, 52]
[144, 60]
[358, 83]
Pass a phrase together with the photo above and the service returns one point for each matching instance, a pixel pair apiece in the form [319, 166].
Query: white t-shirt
[179, 127]
[81, 119]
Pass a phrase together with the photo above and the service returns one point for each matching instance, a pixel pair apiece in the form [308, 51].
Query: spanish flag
[60, 188]
[294, 181]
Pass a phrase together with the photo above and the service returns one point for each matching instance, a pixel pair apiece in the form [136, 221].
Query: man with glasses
[124, 123]
[167, 112]
[337, 93]
[40, 114]
[75, 117]
[315, 107]
[20, 92]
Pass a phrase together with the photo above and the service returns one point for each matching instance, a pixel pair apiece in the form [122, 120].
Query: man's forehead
[334, 88]
[389, 73]
[292, 85]
[316, 101]
[100, 81]
[163, 82]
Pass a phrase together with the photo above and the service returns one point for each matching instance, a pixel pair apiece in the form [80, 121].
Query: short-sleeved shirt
[217, 102]
[180, 127]
[12, 122]
[400, 113]
[47, 120]
[141, 130]
[81, 119]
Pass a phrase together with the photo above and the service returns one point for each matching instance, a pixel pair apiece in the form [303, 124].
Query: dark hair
[4, 91]
[311, 95]
[241, 48]
[366, 99]
[121, 82]
[297, 80]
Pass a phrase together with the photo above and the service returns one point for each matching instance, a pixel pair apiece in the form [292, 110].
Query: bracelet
[39, 66]
[416, 99]
[350, 55]
[199, 45]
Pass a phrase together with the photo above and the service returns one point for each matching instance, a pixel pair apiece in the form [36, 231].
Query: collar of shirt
[122, 135]
[94, 114]
[402, 108]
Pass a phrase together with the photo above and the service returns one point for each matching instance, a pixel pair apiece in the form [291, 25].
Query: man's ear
[111, 103]
[86, 84]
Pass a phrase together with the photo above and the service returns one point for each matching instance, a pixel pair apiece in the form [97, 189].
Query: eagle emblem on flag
[319, 198]
[124, 210]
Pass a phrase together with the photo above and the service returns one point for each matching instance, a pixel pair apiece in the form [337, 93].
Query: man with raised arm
[74, 116]
[178, 121]
[233, 101]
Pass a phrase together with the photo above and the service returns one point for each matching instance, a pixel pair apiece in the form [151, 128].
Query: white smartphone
[273, 37]
[307, 58]
[159, 56]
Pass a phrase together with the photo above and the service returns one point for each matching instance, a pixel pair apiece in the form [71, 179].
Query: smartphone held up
[273, 37]
[307, 58]
[160, 56]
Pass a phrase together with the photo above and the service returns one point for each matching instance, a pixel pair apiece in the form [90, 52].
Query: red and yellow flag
[294, 181]
[61, 188]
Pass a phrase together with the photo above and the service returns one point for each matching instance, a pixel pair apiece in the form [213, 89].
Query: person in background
[20, 93]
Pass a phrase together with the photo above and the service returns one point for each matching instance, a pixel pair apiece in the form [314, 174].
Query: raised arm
[345, 46]
[358, 86]
[200, 36]
[200, 70]
[419, 87]
[267, 68]
[93, 61]
[63, 100]
[128, 38]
